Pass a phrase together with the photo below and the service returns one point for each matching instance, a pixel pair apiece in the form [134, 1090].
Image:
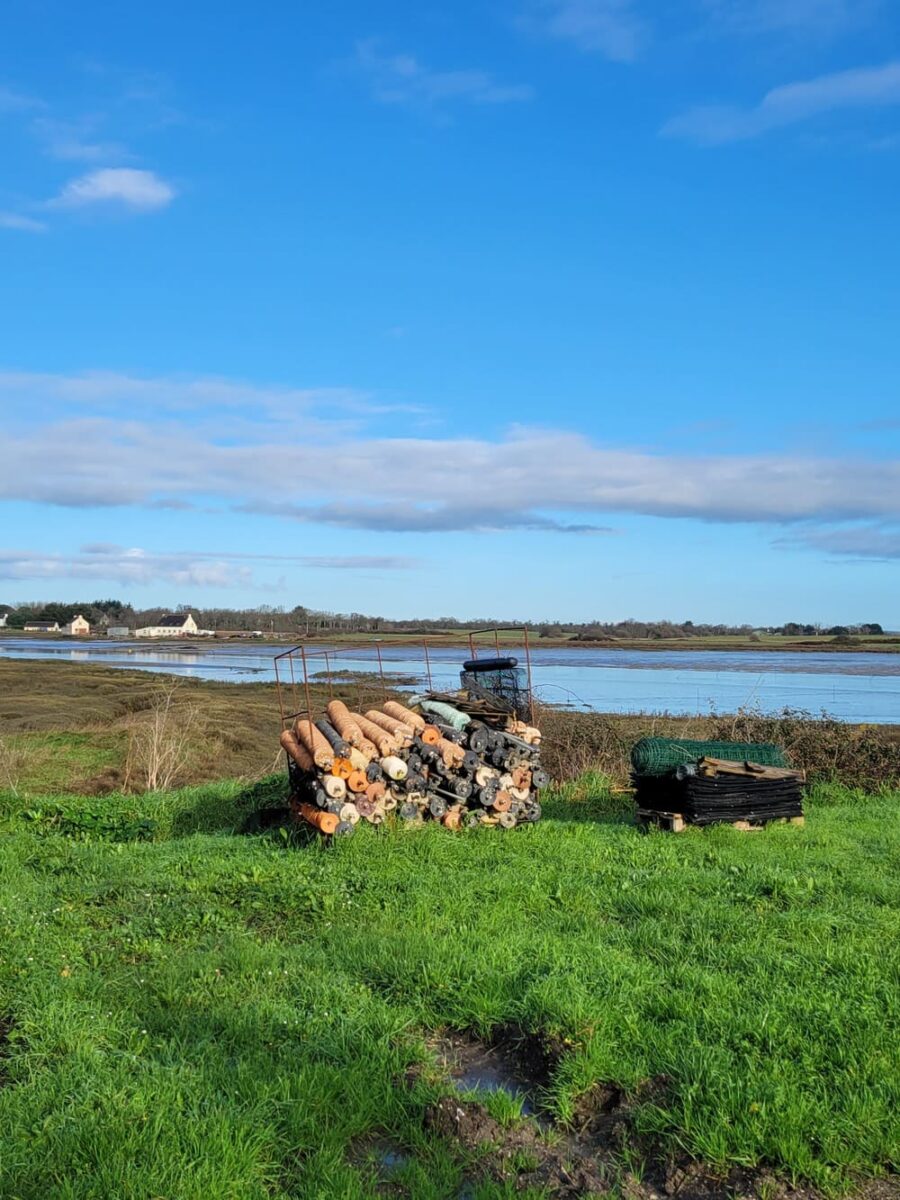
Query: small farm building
[171, 625]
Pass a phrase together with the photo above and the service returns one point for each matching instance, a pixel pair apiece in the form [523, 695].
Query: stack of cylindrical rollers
[425, 762]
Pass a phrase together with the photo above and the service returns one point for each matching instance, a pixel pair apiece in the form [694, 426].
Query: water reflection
[857, 687]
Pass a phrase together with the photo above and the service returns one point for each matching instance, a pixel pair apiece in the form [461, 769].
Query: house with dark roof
[170, 625]
[42, 626]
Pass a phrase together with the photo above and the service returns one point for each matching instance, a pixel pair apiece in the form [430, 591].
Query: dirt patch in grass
[513, 1062]
[594, 1153]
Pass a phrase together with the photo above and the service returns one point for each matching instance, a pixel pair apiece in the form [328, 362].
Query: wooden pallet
[678, 822]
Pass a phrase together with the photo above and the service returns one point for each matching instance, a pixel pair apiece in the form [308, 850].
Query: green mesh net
[657, 756]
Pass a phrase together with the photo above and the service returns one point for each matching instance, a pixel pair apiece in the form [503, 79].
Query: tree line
[308, 622]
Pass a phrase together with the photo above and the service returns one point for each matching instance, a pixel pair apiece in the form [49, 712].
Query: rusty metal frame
[293, 668]
[495, 631]
[307, 659]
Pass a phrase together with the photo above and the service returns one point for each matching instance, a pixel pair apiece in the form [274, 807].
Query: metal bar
[309, 711]
[293, 682]
[278, 689]
[381, 669]
[328, 673]
[528, 665]
[427, 664]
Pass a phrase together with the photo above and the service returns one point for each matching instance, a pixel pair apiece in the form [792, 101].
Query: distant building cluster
[77, 627]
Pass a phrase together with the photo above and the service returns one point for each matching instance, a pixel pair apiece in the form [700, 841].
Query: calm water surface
[854, 687]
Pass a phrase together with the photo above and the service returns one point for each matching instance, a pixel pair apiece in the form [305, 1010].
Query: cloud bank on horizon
[178, 450]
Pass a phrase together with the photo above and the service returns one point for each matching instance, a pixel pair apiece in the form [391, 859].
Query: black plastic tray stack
[702, 795]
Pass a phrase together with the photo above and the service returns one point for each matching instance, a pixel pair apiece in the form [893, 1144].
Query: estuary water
[852, 687]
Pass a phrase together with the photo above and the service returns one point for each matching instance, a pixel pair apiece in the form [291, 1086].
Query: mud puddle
[505, 1065]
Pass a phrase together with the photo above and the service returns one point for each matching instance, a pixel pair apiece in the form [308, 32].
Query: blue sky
[530, 308]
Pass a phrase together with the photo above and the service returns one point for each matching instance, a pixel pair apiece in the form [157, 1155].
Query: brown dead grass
[236, 727]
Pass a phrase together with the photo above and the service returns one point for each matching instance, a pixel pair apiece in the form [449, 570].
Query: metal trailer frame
[495, 634]
[293, 668]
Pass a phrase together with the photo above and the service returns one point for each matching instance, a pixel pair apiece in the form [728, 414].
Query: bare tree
[161, 740]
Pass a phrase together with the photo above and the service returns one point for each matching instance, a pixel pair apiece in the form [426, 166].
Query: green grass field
[188, 1011]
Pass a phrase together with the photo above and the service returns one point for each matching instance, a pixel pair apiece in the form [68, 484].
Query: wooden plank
[711, 767]
[677, 822]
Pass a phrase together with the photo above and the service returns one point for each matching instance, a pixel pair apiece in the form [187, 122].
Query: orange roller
[315, 743]
[452, 754]
[346, 725]
[451, 820]
[341, 767]
[298, 753]
[385, 742]
[325, 822]
[405, 715]
[396, 729]
[430, 735]
[375, 791]
[502, 802]
[521, 777]
[357, 782]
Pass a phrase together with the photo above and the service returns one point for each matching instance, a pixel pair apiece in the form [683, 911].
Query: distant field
[192, 1013]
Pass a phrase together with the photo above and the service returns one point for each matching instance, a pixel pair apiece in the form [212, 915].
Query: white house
[42, 626]
[3, 616]
[171, 625]
[77, 627]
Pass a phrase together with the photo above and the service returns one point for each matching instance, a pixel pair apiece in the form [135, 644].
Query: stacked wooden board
[429, 760]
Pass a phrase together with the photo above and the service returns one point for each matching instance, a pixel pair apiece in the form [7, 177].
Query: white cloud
[134, 566]
[142, 191]
[402, 79]
[608, 27]
[11, 220]
[529, 479]
[865, 87]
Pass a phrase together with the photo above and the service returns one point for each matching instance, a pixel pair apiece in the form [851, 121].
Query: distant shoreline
[885, 644]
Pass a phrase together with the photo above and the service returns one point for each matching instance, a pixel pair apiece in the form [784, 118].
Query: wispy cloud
[127, 187]
[229, 403]
[134, 566]
[866, 87]
[403, 79]
[865, 541]
[12, 101]
[822, 17]
[612, 28]
[546, 480]
[129, 567]
[401, 517]
[12, 220]
[72, 141]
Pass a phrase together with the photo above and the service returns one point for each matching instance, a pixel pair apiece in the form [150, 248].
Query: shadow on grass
[250, 809]
[589, 806]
